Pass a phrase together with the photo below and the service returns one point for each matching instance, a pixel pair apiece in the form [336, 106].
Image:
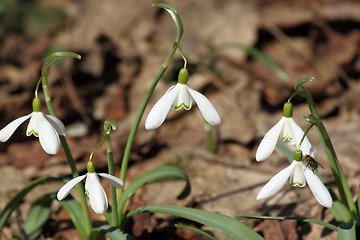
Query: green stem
[182, 55]
[210, 137]
[96, 147]
[167, 62]
[130, 141]
[68, 155]
[340, 178]
[291, 97]
[109, 156]
[304, 135]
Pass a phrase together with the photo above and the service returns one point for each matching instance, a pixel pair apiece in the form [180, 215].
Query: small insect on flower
[299, 177]
[312, 163]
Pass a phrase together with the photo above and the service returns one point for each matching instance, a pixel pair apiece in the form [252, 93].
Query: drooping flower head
[178, 97]
[285, 130]
[46, 127]
[298, 175]
[93, 189]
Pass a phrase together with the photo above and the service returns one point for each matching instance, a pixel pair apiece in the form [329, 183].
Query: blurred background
[124, 43]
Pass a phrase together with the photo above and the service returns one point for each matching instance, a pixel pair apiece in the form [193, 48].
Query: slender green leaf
[346, 196]
[57, 55]
[196, 230]
[295, 218]
[108, 214]
[301, 82]
[358, 201]
[37, 216]
[154, 175]
[34, 235]
[110, 232]
[175, 16]
[347, 231]
[211, 140]
[75, 211]
[19, 196]
[96, 234]
[259, 55]
[341, 212]
[227, 226]
[61, 55]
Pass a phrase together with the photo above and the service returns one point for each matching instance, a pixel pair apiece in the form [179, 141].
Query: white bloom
[93, 189]
[298, 175]
[46, 127]
[178, 96]
[288, 131]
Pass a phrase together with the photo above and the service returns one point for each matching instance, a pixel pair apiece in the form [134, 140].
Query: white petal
[57, 124]
[318, 189]
[206, 108]
[182, 99]
[306, 146]
[297, 179]
[9, 129]
[116, 182]
[287, 134]
[48, 136]
[268, 143]
[33, 125]
[161, 108]
[276, 182]
[96, 193]
[64, 190]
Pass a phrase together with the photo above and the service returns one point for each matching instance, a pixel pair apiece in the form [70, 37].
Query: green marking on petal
[32, 132]
[86, 192]
[298, 184]
[287, 137]
[183, 105]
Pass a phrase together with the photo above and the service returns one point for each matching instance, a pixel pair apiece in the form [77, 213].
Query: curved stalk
[340, 178]
[130, 141]
[109, 156]
[69, 158]
[126, 157]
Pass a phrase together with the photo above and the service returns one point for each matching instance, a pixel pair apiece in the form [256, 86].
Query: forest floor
[124, 43]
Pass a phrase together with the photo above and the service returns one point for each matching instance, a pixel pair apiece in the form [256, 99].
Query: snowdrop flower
[287, 130]
[93, 188]
[299, 175]
[178, 96]
[46, 127]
